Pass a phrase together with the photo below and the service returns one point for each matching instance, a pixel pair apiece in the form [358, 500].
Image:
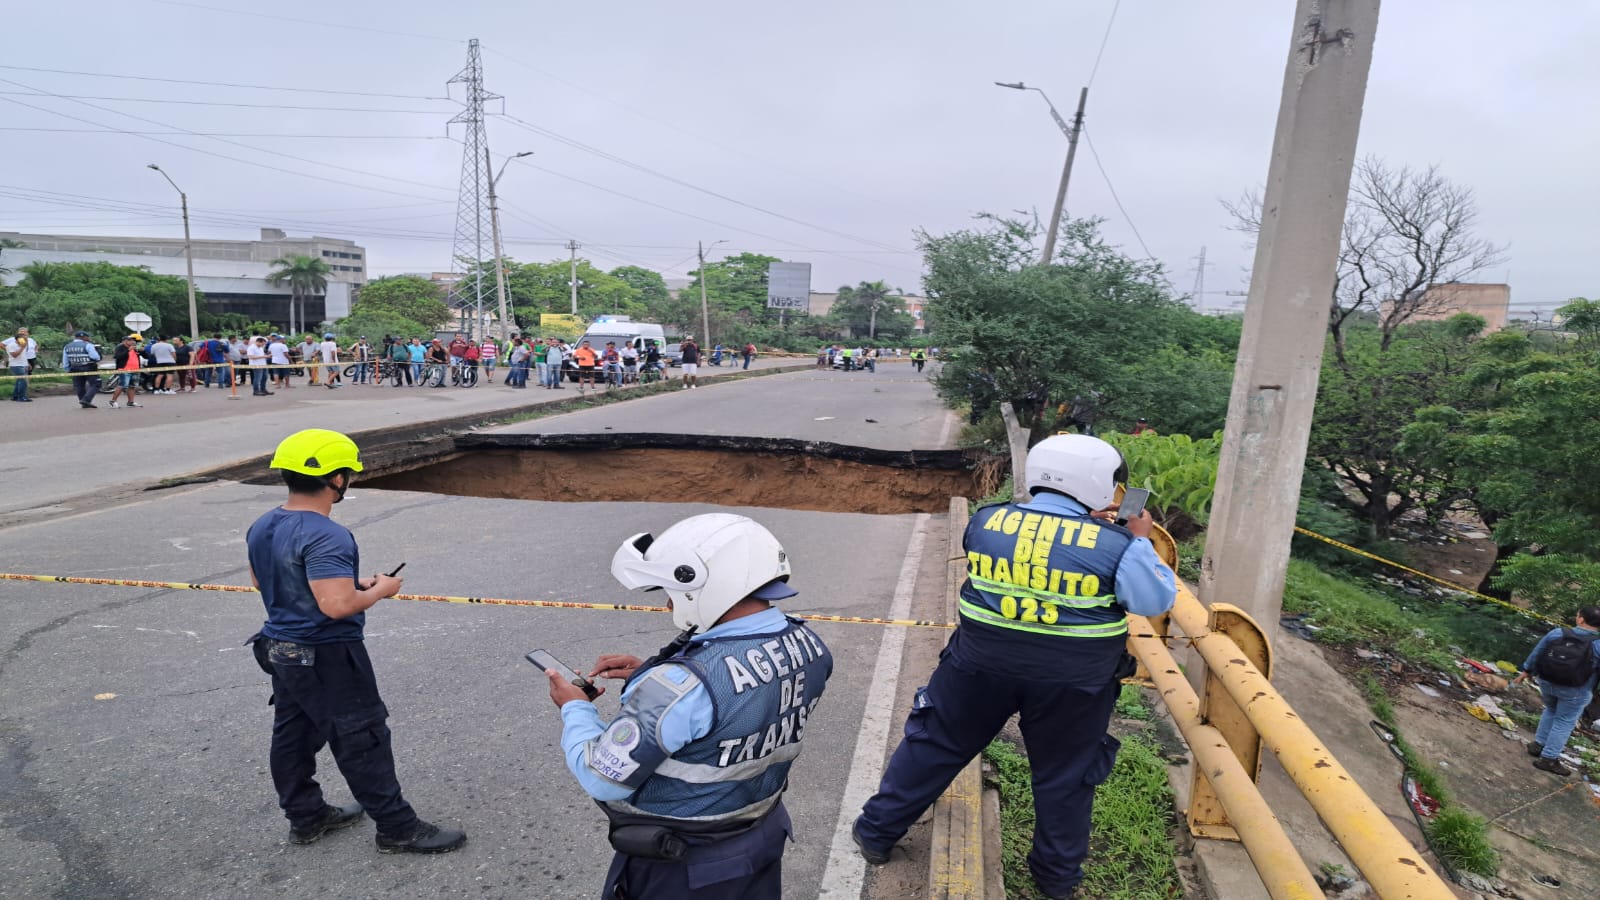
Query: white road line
[846, 871]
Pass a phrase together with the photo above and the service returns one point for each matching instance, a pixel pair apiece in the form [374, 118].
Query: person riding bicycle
[652, 357]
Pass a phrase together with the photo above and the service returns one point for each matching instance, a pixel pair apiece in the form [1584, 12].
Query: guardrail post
[1207, 819]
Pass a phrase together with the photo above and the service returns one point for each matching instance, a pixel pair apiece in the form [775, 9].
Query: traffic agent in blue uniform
[1042, 633]
[691, 772]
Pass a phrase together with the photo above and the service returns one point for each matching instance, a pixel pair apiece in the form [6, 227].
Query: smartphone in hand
[545, 661]
[1133, 503]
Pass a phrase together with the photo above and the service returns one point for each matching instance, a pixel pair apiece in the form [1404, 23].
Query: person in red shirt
[458, 349]
[1142, 426]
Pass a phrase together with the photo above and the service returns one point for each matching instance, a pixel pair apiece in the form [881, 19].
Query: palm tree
[875, 296]
[307, 277]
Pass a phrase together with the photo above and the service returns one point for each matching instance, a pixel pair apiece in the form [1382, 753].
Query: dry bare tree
[1405, 231]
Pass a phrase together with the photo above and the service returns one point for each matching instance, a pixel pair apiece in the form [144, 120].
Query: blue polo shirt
[289, 549]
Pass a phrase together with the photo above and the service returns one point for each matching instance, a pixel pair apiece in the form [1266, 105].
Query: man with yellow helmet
[324, 690]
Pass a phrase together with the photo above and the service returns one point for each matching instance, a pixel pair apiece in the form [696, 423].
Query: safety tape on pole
[439, 598]
[1433, 578]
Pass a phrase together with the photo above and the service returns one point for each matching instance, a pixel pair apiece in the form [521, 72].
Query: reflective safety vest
[1043, 572]
[762, 687]
[77, 353]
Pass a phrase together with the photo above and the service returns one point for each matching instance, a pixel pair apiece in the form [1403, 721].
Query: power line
[226, 84]
[243, 134]
[222, 140]
[579, 145]
[367, 109]
[1118, 200]
[321, 23]
[696, 135]
[1102, 52]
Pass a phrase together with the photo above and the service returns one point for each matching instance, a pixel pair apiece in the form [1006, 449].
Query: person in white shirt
[630, 363]
[330, 359]
[19, 351]
[256, 354]
[162, 353]
[278, 354]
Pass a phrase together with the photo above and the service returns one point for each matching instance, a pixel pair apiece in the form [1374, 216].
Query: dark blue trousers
[334, 703]
[746, 867]
[960, 711]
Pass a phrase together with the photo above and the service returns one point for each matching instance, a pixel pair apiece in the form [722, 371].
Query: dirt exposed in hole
[787, 479]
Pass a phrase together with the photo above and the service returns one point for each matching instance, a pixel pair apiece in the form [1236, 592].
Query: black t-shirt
[691, 353]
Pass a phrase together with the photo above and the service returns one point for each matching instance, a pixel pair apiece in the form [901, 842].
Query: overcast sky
[856, 123]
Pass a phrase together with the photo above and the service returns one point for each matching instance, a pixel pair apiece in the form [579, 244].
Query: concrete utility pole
[1071, 131]
[188, 258]
[705, 308]
[1286, 315]
[573, 246]
[499, 255]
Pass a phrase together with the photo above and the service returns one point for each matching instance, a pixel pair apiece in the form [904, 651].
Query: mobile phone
[545, 660]
[1133, 501]
[397, 570]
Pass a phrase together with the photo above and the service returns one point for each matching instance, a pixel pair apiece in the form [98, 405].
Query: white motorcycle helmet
[706, 564]
[1084, 468]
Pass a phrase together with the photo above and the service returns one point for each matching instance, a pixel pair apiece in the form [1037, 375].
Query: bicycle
[431, 372]
[650, 375]
[463, 375]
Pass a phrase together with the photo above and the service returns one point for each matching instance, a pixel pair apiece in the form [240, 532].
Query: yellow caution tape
[438, 598]
[1437, 580]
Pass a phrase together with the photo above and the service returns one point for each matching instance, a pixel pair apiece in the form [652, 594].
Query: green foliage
[1179, 471]
[1130, 703]
[650, 287]
[59, 298]
[1095, 323]
[1346, 614]
[1131, 850]
[873, 310]
[1462, 840]
[535, 288]
[1365, 403]
[407, 297]
[374, 325]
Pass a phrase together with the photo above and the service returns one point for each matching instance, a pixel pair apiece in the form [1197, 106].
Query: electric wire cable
[1118, 200]
[222, 84]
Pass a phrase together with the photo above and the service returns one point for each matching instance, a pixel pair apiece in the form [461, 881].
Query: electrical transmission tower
[1200, 280]
[471, 250]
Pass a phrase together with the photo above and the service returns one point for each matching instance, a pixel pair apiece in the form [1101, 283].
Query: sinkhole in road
[660, 468]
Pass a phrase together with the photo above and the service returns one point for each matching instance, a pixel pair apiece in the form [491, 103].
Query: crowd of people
[858, 358]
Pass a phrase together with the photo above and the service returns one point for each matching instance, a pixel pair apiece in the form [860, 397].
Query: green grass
[1461, 839]
[1131, 850]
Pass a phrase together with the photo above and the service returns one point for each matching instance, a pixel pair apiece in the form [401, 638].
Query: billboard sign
[789, 285]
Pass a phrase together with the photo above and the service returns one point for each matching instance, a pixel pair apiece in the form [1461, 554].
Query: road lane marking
[846, 871]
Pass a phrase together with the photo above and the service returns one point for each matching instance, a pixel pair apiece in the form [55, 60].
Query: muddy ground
[748, 478]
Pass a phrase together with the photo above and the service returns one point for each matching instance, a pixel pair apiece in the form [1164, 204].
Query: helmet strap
[670, 650]
[338, 489]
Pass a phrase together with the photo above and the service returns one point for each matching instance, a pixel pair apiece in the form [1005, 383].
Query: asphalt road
[893, 409]
[135, 725]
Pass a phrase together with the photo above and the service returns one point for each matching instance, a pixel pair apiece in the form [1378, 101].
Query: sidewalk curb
[964, 854]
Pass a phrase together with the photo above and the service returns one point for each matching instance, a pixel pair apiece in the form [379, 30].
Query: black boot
[332, 818]
[424, 838]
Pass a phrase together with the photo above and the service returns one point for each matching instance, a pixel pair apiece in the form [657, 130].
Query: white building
[231, 275]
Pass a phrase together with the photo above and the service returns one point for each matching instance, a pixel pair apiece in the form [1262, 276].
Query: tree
[406, 296]
[307, 276]
[538, 288]
[1582, 316]
[94, 297]
[1038, 336]
[1405, 231]
[651, 288]
[374, 324]
[1369, 431]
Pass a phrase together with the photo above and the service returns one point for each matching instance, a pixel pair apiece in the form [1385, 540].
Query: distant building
[1441, 301]
[231, 274]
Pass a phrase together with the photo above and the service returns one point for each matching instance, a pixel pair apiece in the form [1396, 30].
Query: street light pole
[499, 256]
[705, 309]
[188, 255]
[1071, 131]
[573, 246]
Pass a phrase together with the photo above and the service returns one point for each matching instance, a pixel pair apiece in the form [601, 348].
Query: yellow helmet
[317, 451]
